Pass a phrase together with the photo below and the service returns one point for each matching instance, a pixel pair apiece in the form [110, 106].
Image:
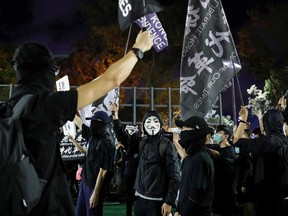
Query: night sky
[58, 23]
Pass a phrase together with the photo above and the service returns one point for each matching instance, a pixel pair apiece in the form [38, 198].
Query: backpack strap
[162, 146]
[20, 106]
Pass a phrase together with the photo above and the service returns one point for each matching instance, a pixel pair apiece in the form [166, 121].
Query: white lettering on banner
[200, 63]
[201, 98]
[215, 77]
[125, 7]
[68, 150]
[204, 3]
[209, 14]
[233, 56]
[191, 19]
[155, 33]
[217, 41]
[206, 90]
[191, 23]
[224, 17]
[187, 83]
[189, 45]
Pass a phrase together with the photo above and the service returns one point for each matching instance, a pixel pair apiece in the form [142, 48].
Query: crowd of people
[198, 171]
[205, 170]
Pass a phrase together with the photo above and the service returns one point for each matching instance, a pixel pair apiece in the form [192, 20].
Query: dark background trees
[263, 46]
[261, 42]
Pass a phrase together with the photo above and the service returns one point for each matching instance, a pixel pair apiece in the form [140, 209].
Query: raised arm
[82, 149]
[78, 121]
[259, 116]
[180, 150]
[115, 74]
[243, 115]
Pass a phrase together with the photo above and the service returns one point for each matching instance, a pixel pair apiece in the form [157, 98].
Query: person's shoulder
[166, 139]
[107, 140]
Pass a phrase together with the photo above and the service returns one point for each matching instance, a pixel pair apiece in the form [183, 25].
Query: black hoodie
[272, 153]
[157, 178]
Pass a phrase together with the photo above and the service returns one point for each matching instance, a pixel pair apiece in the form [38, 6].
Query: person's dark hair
[257, 131]
[273, 121]
[211, 130]
[226, 131]
[32, 58]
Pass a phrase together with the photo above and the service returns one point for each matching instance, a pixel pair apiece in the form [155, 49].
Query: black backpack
[20, 187]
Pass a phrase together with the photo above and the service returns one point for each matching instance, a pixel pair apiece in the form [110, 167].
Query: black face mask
[98, 129]
[192, 140]
[42, 82]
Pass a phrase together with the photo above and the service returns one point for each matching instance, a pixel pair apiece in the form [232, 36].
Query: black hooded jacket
[272, 153]
[156, 177]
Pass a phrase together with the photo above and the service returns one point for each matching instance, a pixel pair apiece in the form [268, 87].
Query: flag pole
[117, 89]
[238, 84]
[145, 13]
[234, 101]
[239, 89]
[128, 39]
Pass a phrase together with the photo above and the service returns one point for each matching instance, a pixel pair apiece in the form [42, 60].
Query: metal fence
[132, 108]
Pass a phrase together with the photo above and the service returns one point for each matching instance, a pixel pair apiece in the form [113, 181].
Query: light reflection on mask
[152, 125]
[217, 138]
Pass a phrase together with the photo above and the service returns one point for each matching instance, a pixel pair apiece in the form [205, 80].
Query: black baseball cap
[193, 122]
[100, 116]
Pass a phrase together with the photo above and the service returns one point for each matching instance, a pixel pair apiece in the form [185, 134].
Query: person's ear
[208, 136]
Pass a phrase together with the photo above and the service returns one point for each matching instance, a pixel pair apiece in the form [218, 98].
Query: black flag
[131, 10]
[209, 57]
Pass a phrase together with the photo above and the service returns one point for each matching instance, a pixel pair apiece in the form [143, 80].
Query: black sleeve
[173, 170]
[248, 169]
[56, 109]
[122, 135]
[256, 146]
[106, 154]
[86, 134]
[213, 146]
[285, 114]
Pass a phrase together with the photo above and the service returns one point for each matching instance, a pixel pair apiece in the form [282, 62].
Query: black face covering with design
[98, 129]
[192, 140]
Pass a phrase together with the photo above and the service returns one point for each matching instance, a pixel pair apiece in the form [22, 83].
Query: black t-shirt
[100, 155]
[43, 117]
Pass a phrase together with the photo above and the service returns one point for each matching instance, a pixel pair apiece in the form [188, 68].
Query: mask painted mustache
[151, 127]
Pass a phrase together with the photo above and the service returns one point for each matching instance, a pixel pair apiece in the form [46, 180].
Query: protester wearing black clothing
[270, 181]
[158, 177]
[246, 183]
[131, 143]
[35, 69]
[225, 173]
[98, 167]
[197, 176]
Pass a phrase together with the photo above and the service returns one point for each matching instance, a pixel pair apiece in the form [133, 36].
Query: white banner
[63, 85]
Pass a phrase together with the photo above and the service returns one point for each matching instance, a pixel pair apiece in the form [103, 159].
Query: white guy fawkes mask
[152, 125]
